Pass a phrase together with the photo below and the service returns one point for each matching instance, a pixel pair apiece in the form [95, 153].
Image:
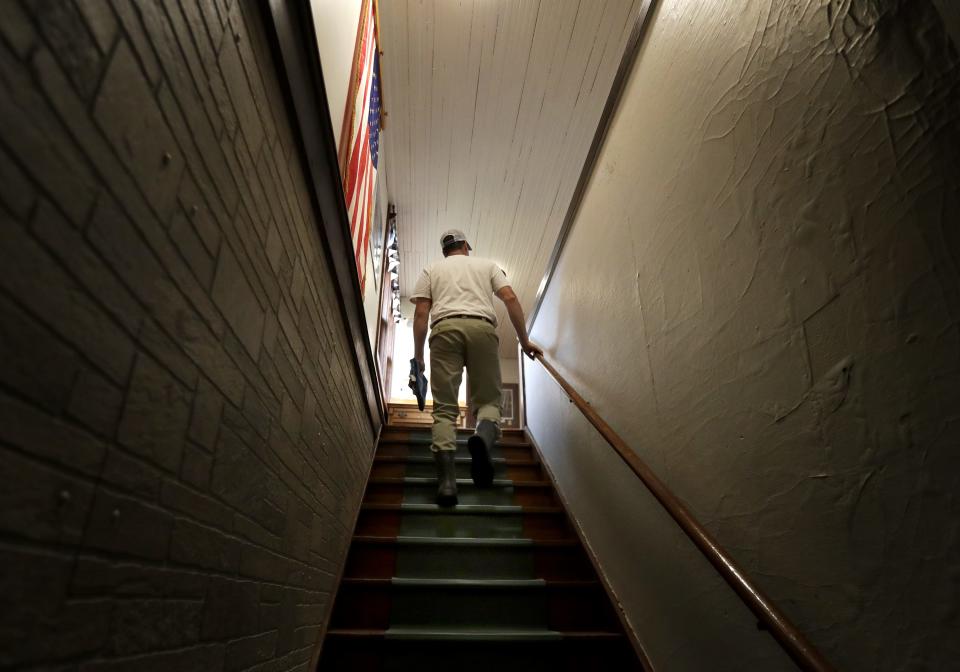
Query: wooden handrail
[800, 650]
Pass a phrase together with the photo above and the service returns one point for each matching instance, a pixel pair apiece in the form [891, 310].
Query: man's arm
[515, 311]
[420, 317]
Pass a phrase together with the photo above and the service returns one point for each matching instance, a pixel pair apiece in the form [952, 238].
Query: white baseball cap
[452, 237]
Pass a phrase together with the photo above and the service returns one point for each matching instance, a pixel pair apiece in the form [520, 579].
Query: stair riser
[427, 493]
[415, 524]
[361, 609]
[383, 561]
[440, 607]
[546, 528]
[371, 561]
[391, 435]
[469, 609]
[429, 470]
[562, 564]
[403, 656]
[518, 452]
[580, 609]
[466, 562]
[380, 606]
[534, 497]
[453, 525]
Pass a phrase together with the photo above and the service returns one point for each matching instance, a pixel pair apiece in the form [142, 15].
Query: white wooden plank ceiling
[492, 106]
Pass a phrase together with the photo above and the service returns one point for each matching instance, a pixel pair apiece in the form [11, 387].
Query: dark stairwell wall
[761, 294]
[183, 441]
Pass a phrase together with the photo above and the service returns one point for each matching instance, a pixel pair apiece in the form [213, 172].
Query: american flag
[364, 147]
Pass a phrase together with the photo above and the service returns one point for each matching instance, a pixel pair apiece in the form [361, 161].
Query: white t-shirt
[460, 285]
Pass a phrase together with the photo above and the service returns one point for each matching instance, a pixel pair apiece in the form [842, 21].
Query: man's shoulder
[456, 261]
[492, 267]
[460, 261]
[483, 262]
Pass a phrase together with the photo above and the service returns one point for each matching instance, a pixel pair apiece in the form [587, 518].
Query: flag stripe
[363, 150]
[359, 157]
[359, 184]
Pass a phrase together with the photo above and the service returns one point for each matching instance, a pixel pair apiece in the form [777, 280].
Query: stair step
[472, 603]
[464, 509]
[520, 451]
[423, 490]
[466, 557]
[423, 466]
[390, 431]
[473, 584]
[459, 459]
[474, 634]
[429, 604]
[469, 520]
[432, 481]
[477, 650]
[472, 542]
[461, 441]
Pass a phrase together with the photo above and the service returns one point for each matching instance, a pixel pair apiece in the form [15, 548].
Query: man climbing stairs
[499, 581]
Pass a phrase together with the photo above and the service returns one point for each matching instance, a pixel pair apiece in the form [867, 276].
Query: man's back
[461, 285]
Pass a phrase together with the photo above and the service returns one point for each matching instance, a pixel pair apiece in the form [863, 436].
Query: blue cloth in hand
[418, 384]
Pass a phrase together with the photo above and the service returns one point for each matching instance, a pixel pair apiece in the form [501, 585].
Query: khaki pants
[456, 343]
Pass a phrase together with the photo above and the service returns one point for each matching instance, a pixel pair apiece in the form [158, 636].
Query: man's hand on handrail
[515, 312]
[530, 350]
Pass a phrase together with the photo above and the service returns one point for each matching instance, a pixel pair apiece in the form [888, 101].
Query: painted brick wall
[183, 441]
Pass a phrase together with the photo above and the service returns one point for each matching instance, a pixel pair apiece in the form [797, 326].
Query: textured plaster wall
[950, 13]
[183, 442]
[761, 293]
[683, 613]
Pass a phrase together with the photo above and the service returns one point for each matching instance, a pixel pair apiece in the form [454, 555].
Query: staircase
[499, 581]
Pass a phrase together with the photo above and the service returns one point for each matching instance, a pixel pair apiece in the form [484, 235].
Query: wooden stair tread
[473, 634]
[467, 541]
[462, 509]
[478, 584]
[432, 480]
[463, 431]
[428, 459]
[461, 440]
